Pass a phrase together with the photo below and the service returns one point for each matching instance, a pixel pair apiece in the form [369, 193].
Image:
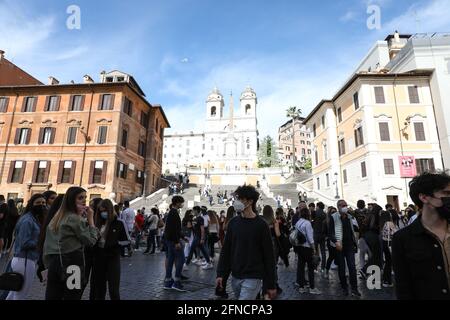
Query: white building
[228, 143]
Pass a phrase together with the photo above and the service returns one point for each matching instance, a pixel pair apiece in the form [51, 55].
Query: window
[379, 95]
[288, 149]
[41, 169]
[23, 136]
[363, 170]
[344, 174]
[128, 106]
[17, 171]
[308, 135]
[425, 165]
[109, 79]
[102, 132]
[339, 114]
[144, 119]
[303, 151]
[302, 142]
[124, 138]
[4, 104]
[47, 135]
[419, 131]
[356, 100]
[325, 152]
[52, 103]
[388, 166]
[213, 111]
[106, 102]
[77, 103]
[29, 104]
[120, 79]
[328, 179]
[384, 131]
[13, 196]
[316, 156]
[318, 183]
[359, 138]
[308, 143]
[309, 151]
[139, 177]
[98, 172]
[413, 94]
[72, 135]
[247, 109]
[341, 146]
[66, 171]
[314, 130]
[121, 170]
[141, 148]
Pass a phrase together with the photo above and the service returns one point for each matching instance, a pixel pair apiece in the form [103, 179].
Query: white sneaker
[315, 291]
[199, 263]
[208, 266]
[194, 260]
[303, 290]
[185, 267]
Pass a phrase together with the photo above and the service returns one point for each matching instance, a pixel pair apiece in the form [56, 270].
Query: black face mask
[444, 211]
[38, 210]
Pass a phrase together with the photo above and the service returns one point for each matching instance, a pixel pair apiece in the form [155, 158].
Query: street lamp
[336, 183]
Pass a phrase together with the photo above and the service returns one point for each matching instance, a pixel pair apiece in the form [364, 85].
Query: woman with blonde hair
[71, 229]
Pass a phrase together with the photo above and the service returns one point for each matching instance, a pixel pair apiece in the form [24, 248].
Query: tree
[293, 113]
[267, 155]
[308, 164]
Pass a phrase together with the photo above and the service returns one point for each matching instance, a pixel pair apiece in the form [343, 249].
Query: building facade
[104, 137]
[376, 133]
[301, 145]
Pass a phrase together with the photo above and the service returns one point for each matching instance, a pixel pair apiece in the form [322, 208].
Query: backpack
[296, 237]
[160, 223]
[388, 231]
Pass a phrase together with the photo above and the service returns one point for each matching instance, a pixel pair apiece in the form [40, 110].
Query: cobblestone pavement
[142, 278]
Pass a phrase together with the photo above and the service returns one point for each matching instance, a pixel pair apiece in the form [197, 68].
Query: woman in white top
[213, 232]
[305, 253]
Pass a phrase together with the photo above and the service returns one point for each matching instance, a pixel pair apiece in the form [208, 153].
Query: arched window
[213, 111]
[248, 144]
[247, 109]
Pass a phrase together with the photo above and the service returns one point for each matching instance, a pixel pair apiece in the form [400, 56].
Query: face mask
[344, 210]
[104, 215]
[238, 206]
[444, 211]
[38, 210]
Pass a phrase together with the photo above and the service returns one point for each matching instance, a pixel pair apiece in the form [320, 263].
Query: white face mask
[238, 206]
[344, 210]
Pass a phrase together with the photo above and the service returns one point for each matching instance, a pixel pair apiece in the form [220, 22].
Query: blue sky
[291, 52]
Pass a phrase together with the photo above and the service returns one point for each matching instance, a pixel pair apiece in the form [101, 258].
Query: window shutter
[28, 136]
[47, 171]
[35, 169]
[35, 99]
[60, 171]
[419, 131]
[11, 170]
[24, 103]
[53, 134]
[105, 168]
[91, 172]
[413, 95]
[83, 99]
[124, 105]
[58, 102]
[24, 167]
[72, 172]
[41, 135]
[111, 102]
[100, 101]
[71, 101]
[47, 103]
[17, 137]
[384, 131]
[5, 106]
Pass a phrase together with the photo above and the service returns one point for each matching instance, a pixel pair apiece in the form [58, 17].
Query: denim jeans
[305, 256]
[363, 250]
[151, 241]
[246, 289]
[138, 239]
[320, 244]
[347, 255]
[174, 256]
[196, 244]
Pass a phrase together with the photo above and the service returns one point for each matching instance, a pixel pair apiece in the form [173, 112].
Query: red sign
[407, 166]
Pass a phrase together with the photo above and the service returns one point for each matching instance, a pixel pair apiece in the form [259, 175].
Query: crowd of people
[411, 248]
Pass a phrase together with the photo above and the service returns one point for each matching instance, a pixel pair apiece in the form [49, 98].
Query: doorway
[393, 200]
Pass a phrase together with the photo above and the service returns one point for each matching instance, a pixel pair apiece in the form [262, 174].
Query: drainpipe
[8, 137]
[86, 136]
[339, 157]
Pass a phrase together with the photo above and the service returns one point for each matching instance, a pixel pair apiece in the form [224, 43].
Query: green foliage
[308, 164]
[267, 155]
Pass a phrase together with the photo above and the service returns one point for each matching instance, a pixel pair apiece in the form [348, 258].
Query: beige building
[301, 145]
[373, 136]
[105, 137]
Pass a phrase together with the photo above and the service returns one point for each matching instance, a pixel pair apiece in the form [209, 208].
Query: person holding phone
[69, 231]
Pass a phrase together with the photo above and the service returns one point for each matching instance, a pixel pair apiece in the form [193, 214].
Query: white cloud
[348, 16]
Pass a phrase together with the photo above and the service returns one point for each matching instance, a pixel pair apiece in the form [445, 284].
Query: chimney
[87, 79]
[396, 36]
[2, 55]
[52, 81]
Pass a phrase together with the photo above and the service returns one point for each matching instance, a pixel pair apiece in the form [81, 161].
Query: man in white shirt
[128, 216]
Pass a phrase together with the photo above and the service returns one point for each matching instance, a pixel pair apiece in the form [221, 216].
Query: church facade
[228, 146]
